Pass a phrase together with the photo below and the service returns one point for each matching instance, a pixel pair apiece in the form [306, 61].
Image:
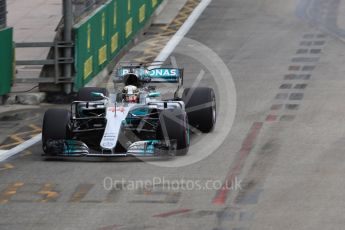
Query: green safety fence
[6, 60]
[101, 36]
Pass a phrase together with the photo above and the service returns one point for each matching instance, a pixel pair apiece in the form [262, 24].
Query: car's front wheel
[55, 126]
[174, 127]
[201, 108]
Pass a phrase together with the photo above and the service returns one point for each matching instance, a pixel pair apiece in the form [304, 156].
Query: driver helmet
[131, 94]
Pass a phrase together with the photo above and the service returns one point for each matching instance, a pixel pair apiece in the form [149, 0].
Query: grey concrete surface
[293, 175]
[33, 21]
[169, 12]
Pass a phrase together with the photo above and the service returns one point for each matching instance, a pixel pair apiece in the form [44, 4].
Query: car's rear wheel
[85, 94]
[201, 108]
[55, 126]
[174, 126]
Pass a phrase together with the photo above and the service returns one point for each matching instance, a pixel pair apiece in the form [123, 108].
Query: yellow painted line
[21, 147]
[9, 145]
[35, 127]
[195, 8]
[6, 167]
[81, 191]
[11, 190]
[26, 153]
[22, 133]
[17, 138]
[160, 40]
[48, 193]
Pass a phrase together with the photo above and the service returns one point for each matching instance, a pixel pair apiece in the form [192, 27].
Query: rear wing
[155, 75]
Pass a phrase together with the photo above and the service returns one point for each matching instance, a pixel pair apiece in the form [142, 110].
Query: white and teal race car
[134, 121]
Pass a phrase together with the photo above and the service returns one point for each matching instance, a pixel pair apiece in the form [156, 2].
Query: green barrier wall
[101, 36]
[6, 60]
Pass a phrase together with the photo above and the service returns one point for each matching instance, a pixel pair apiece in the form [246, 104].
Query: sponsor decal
[154, 73]
[121, 109]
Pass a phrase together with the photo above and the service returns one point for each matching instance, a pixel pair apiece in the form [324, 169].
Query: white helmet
[131, 94]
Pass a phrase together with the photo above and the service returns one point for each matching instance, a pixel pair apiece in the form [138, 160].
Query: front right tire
[174, 126]
[200, 104]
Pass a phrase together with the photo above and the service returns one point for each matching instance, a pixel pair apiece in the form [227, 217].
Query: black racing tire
[174, 126]
[201, 108]
[56, 123]
[84, 94]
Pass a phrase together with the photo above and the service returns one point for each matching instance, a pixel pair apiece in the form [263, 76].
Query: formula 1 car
[134, 121]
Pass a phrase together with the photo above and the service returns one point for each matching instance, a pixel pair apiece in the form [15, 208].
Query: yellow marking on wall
[115, 15]
[154, 3]
[103, 26]
[88, 67]
[88, 43]
[114, 42]
[129, 6]
[142, 13]
[102, 55]
[129, 27]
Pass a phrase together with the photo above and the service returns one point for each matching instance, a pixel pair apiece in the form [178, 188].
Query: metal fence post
[68, 25]
[3, 14]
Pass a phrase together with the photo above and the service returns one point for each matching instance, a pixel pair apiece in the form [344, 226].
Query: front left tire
[55, 126]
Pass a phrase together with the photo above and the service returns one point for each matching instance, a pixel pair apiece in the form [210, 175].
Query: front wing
[75, 148]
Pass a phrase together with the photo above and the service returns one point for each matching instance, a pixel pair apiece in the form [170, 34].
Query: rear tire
[55, 126]
[174, 126]
[201, 108]
[84, 94]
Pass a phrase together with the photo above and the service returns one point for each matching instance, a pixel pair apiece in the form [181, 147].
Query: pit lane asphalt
[292, 169]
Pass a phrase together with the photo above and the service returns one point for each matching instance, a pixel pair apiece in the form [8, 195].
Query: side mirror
[96, 94]
[154, 94]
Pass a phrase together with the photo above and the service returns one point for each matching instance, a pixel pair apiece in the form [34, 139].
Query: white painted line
[164, 54]
[19, 148]
[160, 8]
[181, 33]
